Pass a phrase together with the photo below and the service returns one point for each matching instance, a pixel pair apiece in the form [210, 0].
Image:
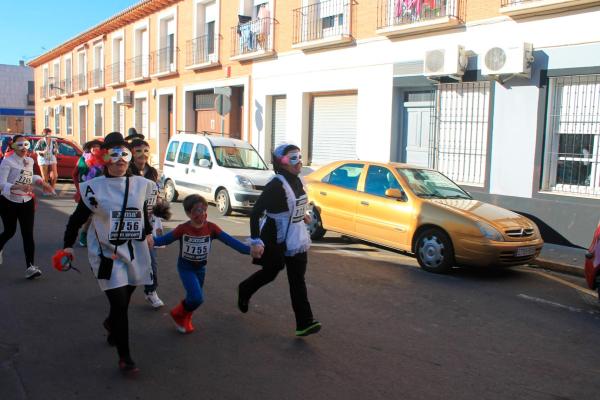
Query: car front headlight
[244, 182]
[489, 232]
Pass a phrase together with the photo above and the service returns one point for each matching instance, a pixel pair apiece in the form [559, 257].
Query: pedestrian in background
[17, 202]
[281, 239]
[46, 150]
[139, 166]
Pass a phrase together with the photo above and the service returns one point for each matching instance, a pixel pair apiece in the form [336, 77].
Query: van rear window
[172, 151]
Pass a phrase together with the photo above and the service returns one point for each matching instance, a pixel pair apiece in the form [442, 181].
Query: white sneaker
[153, 299]
[32, 272]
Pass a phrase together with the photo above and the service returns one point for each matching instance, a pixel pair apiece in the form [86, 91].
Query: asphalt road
[390, 330]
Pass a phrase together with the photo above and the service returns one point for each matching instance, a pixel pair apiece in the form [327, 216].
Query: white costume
[104, 197]
[17, 170]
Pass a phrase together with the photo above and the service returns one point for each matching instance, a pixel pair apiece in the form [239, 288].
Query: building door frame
[166, 119]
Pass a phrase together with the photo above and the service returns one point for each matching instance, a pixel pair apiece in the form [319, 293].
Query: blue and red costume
[194, 247]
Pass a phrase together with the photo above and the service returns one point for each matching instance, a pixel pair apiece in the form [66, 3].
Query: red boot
[187, 323]
[179, 315]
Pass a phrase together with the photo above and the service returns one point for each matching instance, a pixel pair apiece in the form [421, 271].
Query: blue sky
[29, 26]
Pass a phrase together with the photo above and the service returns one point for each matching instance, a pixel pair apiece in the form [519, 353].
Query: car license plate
[524, 251]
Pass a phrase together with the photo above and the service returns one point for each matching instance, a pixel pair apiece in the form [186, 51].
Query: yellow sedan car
[418, 210]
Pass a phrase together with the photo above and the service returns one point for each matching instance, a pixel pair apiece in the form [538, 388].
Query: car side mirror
[204, 163]
[396, 194]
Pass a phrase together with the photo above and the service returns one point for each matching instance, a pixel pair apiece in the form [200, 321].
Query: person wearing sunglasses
[139, 166]
[17, 202]
[282, 240]
[119, 239]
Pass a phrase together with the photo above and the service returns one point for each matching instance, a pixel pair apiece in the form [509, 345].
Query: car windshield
[239, 157]
[426, 183]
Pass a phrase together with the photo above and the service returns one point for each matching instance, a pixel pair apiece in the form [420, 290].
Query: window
[117, 69]
[346, 176]
[185, 154]
[141, 116]
[68, 76]
[98, 72]
[66, 149]
[379, 179]
[573, 136]
[98, 119]
[46, 117]
[172, 151]
[118, 117]
[141, 53]
[56, 78]
[30, 93]
[69, 120]
[165, 56]
[460, 138]
[81, 81]
[202, 153]
[57, 120]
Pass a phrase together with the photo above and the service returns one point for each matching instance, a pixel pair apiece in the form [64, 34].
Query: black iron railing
[115, 73]
[325, 19]
[201, 50]
[163, 60]
[251, 37]
[138, 67]
[97, 78]
[67, 86]
[404, 12]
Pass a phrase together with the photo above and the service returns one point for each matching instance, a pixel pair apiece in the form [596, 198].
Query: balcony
[532, 7]
[115, 74]
[44, 91]
[201, 52]
[252, 40]
[138, 68]
[97, 79]
[80, 83]
[324, 24]
[163, 62]
[406, 17]
[66, 87]
[53, 88]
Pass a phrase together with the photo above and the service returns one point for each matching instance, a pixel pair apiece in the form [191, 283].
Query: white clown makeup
[292, 158]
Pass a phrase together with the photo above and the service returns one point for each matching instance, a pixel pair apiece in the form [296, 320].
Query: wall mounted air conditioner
[508, 60]
[124, 96]
[451, 61]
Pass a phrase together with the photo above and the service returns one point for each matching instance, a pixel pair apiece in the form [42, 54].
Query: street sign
[223, 90]
[222, 104]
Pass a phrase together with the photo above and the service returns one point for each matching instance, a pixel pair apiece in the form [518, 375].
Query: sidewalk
[564, 259]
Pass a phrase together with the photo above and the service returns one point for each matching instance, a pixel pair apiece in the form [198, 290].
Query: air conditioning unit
[445, 62]
[124, 96]
[508, 60]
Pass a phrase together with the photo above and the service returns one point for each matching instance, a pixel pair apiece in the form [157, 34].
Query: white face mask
[119, 153]
[292, 158]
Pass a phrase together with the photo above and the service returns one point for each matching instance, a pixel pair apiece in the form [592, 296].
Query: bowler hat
[114, 139]
[132, 134]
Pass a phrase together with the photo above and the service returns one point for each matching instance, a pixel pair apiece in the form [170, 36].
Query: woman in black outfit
[283, 240]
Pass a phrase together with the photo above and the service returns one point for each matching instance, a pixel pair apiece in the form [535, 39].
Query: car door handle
[364, 203]
[193, 170]
[187, 170]
[323, 193]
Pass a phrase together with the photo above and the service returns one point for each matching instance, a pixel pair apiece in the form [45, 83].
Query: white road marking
[553, 304]
[561, 281]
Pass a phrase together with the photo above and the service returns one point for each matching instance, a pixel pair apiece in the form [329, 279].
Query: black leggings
[12, 212]
[117, 318]
[296, 268]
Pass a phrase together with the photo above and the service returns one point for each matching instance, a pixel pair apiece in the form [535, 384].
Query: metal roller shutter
[333, 128]
[278, 122]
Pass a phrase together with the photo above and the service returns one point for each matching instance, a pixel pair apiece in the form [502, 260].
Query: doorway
[417, 127]
[166, 124]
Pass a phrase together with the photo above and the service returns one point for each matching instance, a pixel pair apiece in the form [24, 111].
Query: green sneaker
[313, 327]
[83, 239]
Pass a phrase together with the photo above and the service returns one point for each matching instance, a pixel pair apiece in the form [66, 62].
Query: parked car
[228, 172]
[418, 210]
[69, 153]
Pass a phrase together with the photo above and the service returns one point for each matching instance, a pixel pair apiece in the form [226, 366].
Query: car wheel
[223, 202]
[434, 251]
[170, 192]
[315, 227]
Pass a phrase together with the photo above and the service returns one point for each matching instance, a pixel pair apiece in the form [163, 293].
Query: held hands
[307, 219]
[256, 251]
[150, 241]
[21, 188]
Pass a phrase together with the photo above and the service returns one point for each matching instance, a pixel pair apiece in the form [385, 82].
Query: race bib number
[25, 177]
[300, 209]
[132, 225]
[151, 200]
[195, 248]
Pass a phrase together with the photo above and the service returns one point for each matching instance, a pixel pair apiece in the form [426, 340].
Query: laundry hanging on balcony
[412, 7]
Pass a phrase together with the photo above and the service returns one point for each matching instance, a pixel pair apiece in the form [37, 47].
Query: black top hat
[114, 139]
[132, 134]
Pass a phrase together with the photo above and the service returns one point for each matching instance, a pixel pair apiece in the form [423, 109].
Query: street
[390, 330]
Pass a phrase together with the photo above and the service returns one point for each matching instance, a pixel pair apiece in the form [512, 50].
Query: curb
[559, 267]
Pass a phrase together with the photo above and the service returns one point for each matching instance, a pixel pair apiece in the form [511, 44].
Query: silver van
[227, 172]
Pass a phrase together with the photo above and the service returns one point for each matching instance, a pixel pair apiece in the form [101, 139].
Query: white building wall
[13, 81]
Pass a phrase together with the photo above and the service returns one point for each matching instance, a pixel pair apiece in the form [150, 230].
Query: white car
[227, 172]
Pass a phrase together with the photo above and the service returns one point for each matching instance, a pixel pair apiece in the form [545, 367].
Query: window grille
[572, 136]
[205, 101]
[460, 135]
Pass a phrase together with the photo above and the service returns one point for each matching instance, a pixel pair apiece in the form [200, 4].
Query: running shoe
[154, 300]
[311, 328]
[83, 239]
[32, 272]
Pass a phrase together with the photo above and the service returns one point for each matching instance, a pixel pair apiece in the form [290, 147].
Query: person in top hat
[118, 240]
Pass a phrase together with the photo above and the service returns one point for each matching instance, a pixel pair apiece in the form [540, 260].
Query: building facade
[17, 98]
[489, 92]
